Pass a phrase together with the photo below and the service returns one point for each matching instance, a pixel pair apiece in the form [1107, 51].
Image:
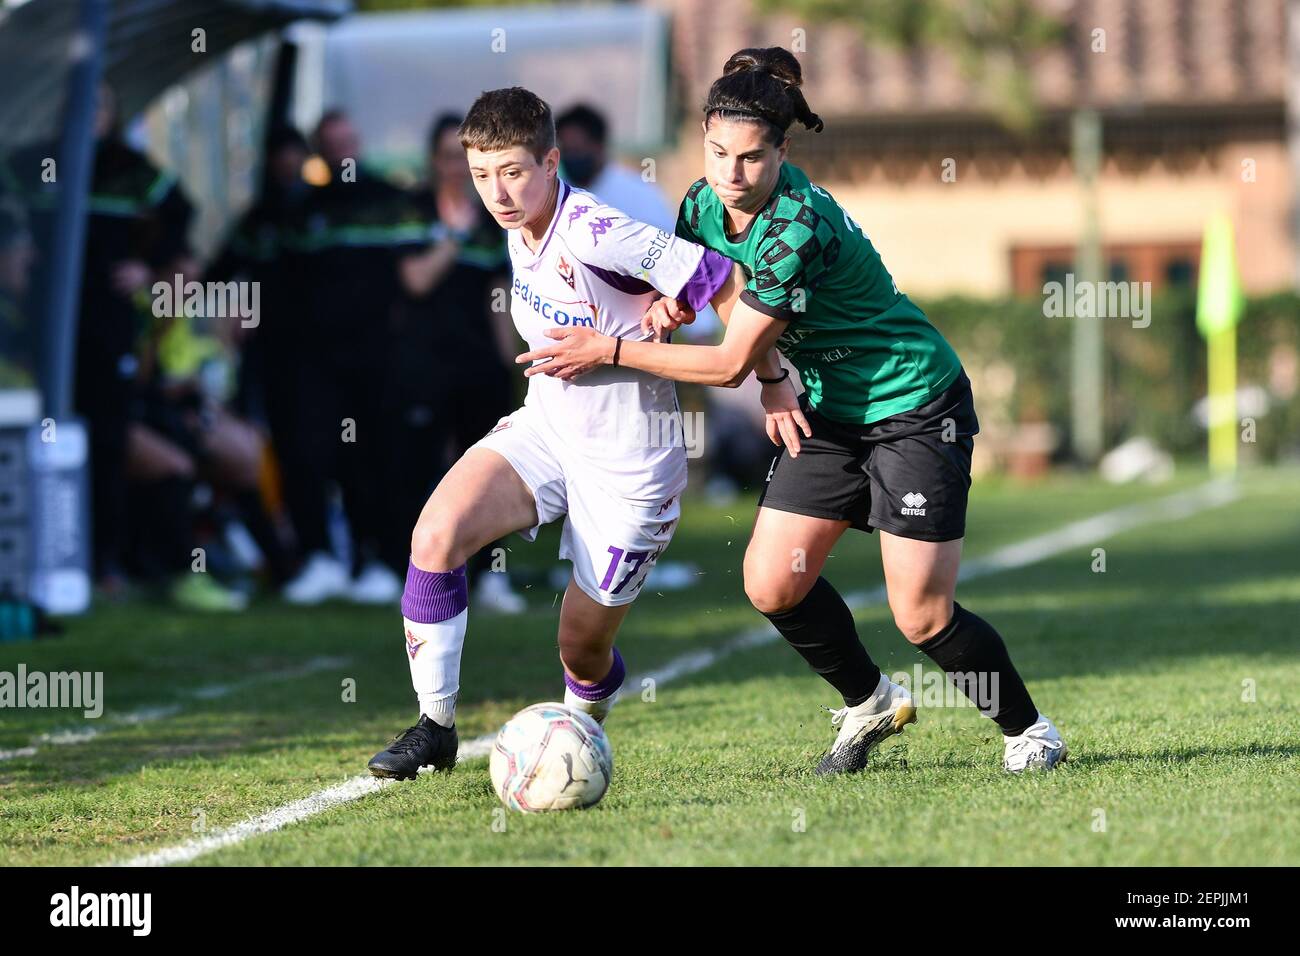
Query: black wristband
[618, 344]
[785, 373]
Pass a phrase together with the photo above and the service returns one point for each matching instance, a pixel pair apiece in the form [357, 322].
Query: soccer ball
[550, 757]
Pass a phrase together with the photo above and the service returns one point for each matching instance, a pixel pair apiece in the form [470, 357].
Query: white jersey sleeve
[605, 239]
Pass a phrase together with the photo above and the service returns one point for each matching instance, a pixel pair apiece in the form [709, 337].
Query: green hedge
[1020, 362]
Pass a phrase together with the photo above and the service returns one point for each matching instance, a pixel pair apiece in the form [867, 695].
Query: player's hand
[578, 351]
[666, 315]
[784, 416]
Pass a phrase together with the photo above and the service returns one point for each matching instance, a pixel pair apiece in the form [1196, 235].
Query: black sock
[972, 653]
[820, 627]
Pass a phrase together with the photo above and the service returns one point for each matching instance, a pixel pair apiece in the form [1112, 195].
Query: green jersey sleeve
[688, 214]
[790, 261]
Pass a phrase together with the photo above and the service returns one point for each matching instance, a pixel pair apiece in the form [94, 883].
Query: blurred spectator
[255, 251]
[453, 352]
[136, 226]
[136, 234]
[187, 450]
[738, 451]
[268, 383]
[349, 235]
[17, 255]
[581, 133]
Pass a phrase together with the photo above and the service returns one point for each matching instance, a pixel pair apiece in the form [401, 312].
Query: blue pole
[75, 165]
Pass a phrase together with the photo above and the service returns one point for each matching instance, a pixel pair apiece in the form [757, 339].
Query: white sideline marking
[357, 787]
[267, 823]
[144, 715]
[1078, 534]
[1087, 531]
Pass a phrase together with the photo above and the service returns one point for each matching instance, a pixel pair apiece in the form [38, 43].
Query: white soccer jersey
[595, 267]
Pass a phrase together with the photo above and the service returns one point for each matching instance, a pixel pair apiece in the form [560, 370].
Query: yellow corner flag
[1219, 306]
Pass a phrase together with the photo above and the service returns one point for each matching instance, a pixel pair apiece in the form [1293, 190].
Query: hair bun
[764, 83]
[773, 60]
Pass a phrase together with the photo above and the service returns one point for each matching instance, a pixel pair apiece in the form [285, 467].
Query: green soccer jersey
[862, 348]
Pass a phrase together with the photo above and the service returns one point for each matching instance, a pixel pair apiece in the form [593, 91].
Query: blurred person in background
[350, 233]
[192, 453]
[268, 379]
[136, 234]
[738, 450]
[452, 351]
[135, 231]
[17, 256]
[182, 447]
[582, 134]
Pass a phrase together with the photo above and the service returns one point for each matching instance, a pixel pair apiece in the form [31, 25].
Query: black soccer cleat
[427, 744]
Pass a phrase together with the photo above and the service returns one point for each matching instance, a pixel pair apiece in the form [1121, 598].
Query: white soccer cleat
[321, 578]
[492, 593]
[1039, 748]
[882, 715]
[376, 584]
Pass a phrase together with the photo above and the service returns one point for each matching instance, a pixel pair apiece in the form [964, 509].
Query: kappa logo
[599, 226]
[565, 270]
[576, 213]
[413, 643]
[665, 506]
[913, 501]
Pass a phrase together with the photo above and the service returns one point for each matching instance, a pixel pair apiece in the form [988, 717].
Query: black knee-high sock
[972, 654]
[820, 627]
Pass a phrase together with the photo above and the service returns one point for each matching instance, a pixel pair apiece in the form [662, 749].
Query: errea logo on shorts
[913, 501]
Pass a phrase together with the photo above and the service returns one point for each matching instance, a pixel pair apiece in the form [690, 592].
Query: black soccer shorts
[908, 474]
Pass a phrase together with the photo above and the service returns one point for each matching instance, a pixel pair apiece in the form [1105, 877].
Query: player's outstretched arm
[667, 315]
[750, 336]
[749, 340]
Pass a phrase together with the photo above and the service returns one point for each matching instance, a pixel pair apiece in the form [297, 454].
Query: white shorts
[612, 542]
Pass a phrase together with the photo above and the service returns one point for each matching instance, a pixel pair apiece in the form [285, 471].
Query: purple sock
[434, 596]
[604, 687]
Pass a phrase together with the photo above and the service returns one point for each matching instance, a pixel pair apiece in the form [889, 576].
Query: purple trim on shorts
[603, 688]
[431, 597]
[709, 276]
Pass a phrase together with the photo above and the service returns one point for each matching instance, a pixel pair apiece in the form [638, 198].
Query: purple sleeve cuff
[709, 276]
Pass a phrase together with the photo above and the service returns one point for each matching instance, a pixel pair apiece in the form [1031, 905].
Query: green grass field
[1144, 668]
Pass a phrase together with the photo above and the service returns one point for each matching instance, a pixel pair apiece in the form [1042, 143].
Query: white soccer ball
[550, 757]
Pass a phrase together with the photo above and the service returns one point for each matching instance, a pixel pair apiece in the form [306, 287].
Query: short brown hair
[500, 119]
